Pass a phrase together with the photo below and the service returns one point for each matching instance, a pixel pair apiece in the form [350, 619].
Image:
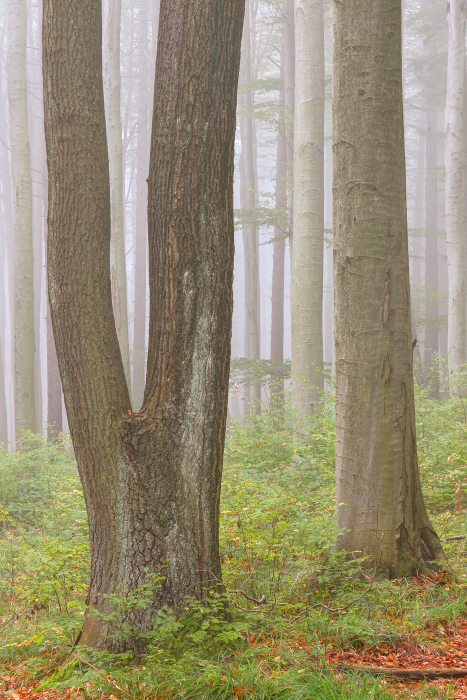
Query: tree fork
[151, 480]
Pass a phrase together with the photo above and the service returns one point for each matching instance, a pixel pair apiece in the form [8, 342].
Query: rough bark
[151, 480]
[381, 512]
[112, 90]
[22, 187]
[456, 18]
[249, 228]
[308, 206]
[142, 164]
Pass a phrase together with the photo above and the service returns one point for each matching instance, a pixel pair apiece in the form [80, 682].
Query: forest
[233, 352]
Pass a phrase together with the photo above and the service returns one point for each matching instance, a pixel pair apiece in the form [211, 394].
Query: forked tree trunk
[456, 17]
[112, 90]
[151, 480]
[24, 389]
[381, 512]
[308, 207]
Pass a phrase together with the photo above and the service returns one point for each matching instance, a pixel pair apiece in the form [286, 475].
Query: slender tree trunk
[22, 186]
[308, 248]
[112, 90]
[381, 512]
[456, 17]
[3, 401]
[151, 480]
[36, 130]
[278, 256]
[252, 333]
[417, 243]
[142, 158]
[431, 254]
[289, 89]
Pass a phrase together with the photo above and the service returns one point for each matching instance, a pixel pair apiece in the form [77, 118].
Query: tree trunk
[417, 248]
[151, 480]
[22, 187]
[456, 17]
[308, 217]
[381, 512]
[278, 256]
[250, 230]
[431, 254]
[112, 89]
[142, 164]
[289, 90]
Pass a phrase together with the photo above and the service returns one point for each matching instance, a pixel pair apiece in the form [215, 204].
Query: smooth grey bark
[151, 480]
[308, 209]
[431, 254]
[417, 249]
[289, 89]
[36, 130]
[252, 332]
[456, 18]
[24, 345]
[112, 92]
[278, 256]
[381, 512]
[142, 164]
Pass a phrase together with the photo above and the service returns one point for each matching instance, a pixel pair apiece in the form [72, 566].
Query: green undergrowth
[276, 538]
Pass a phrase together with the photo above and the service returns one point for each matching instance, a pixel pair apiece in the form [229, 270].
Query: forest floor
[324, 615]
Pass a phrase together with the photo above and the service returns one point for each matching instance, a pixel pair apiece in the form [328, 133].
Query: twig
[399, 599]
[456, 537]
[109, 680]
[295, 581]
[354, 600]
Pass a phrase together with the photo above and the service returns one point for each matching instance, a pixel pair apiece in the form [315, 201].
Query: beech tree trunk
[112, 90]
[151, 480]
[381, 512]
[278, 256]
[250, 229]
[24, 390]
[456, 17]
[289, 96]
[142, 158]
[308, 205]
[431, 254]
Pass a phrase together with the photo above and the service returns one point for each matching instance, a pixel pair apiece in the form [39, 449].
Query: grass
[277, 531]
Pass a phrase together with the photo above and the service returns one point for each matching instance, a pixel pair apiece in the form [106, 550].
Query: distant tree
[278, 259]
[456, 17]
[248, 195]
[381, 512]
[151, 480]
[112, 95]
[308, 208]
[24, 343]
[142, 157]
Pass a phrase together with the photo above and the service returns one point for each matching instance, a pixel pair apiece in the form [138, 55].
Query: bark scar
[386, 307]
[386, 370]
